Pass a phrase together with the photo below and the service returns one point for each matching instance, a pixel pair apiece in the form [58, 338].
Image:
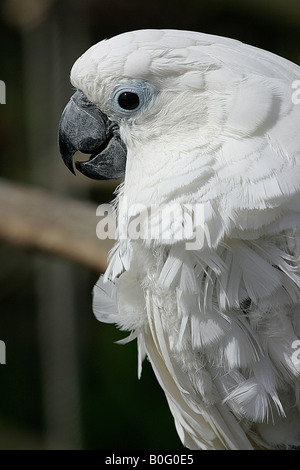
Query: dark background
[66, 385]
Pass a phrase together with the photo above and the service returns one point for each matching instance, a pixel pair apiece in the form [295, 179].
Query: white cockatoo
[205, 273]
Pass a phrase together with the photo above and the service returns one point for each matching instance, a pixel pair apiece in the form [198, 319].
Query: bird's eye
[130, 97]
[128, 100]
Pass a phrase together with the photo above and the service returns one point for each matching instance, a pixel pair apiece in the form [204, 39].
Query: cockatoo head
[147, 86]
[190, 117]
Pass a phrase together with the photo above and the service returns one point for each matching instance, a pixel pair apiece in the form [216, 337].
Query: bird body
[205, 272]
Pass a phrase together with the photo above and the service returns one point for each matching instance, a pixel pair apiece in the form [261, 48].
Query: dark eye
[128, 100]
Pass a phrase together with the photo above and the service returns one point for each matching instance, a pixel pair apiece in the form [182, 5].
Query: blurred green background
[66, 385]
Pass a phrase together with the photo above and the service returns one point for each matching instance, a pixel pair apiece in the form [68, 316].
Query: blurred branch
[35, 218]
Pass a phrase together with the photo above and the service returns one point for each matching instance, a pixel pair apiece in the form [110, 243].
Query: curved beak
[83, 126]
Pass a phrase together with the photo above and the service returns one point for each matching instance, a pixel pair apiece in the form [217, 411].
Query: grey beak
[83, 126]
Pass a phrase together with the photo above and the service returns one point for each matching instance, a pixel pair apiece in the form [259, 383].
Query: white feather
[217, 322]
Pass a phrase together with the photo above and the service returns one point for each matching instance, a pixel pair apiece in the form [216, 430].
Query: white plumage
[219, 131]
